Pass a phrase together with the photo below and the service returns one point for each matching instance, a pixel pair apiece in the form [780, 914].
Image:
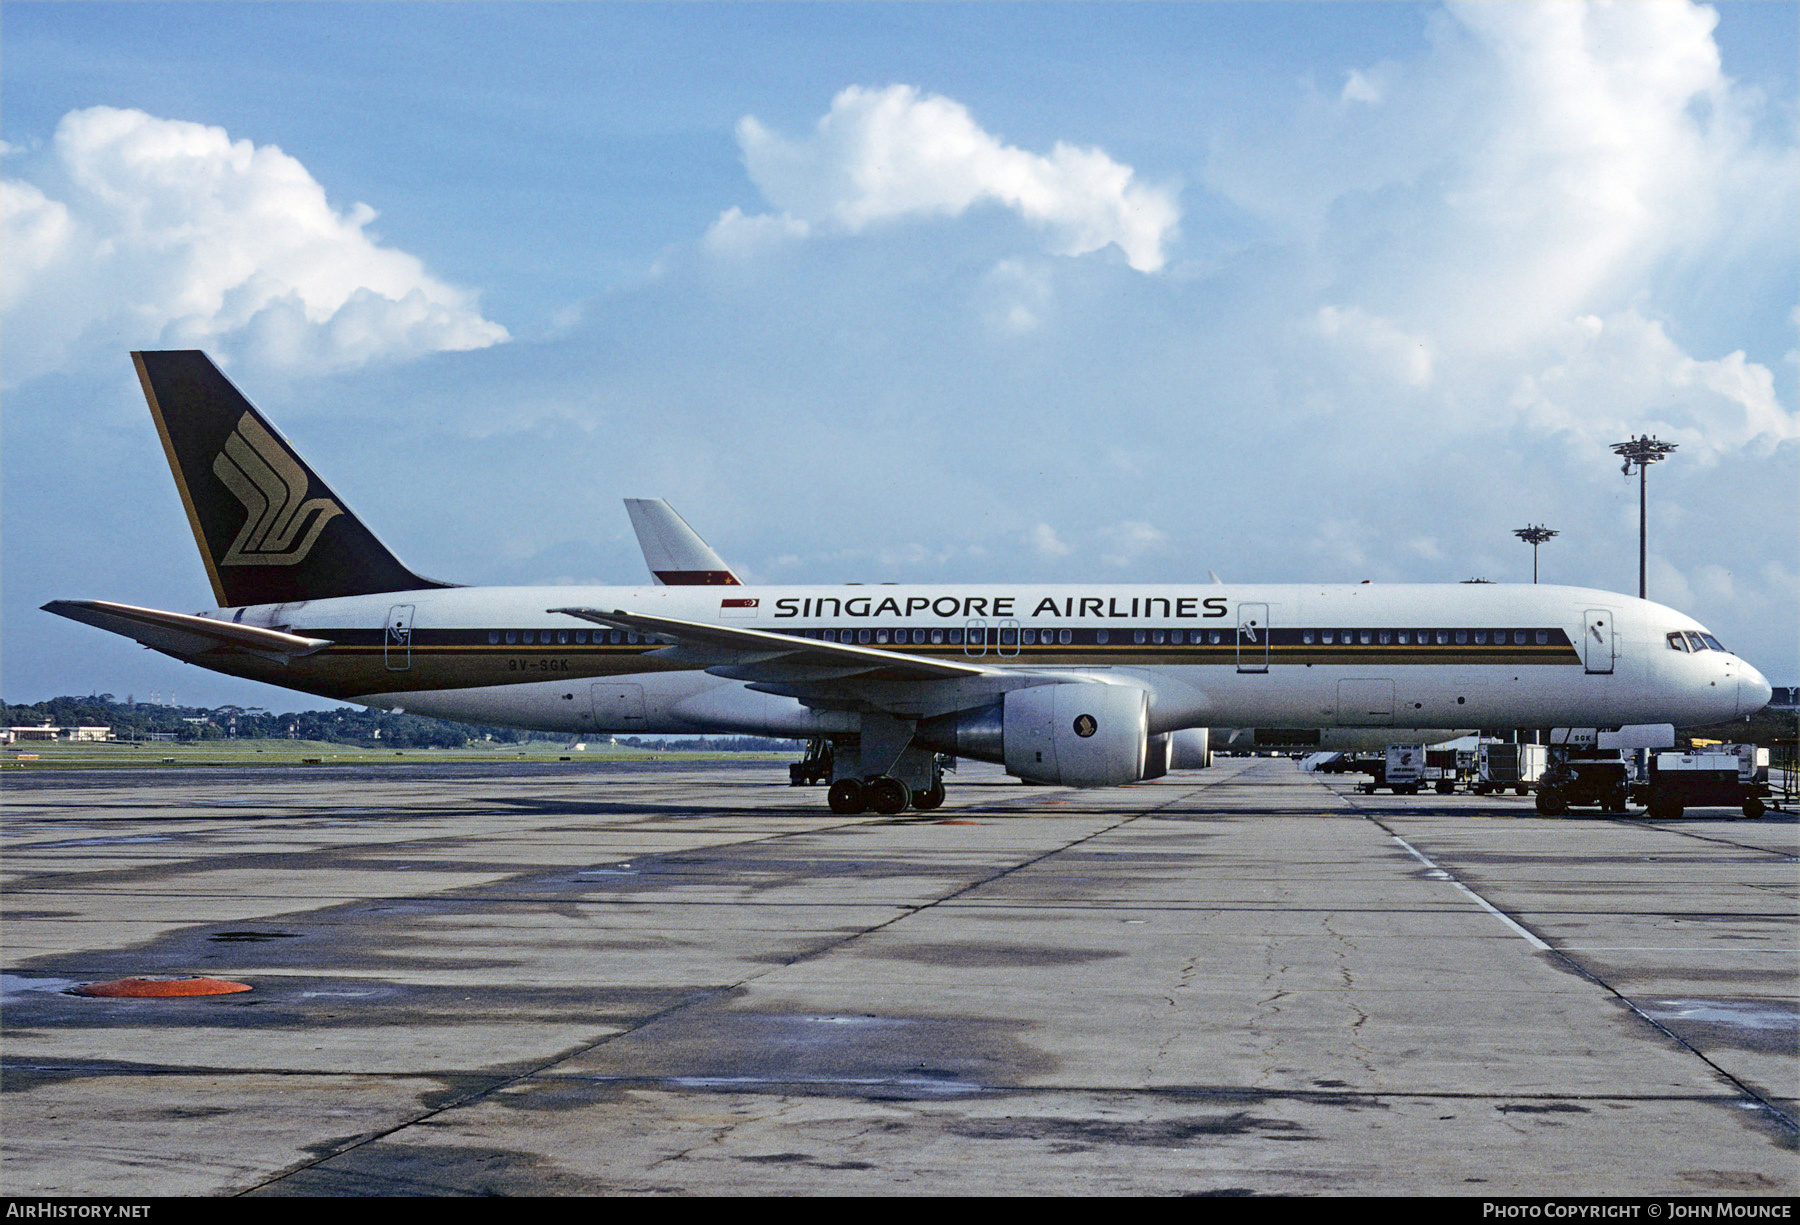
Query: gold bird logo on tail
[280, 526]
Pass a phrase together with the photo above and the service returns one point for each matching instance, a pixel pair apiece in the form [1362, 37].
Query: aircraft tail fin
[269, 530]
[676, 555]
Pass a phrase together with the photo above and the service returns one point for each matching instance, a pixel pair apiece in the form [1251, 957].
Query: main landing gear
[879, 769]
[882, 793]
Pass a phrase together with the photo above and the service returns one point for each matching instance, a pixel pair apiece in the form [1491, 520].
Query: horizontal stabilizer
[183, 634]
[771, 654]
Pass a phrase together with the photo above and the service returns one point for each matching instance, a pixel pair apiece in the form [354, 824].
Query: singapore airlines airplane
[1085, 685]
[675, 554]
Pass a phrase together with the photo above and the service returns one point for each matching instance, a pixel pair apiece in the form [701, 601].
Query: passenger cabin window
[1543, 636]
[1462, 636]
[494, 637]
[1306, 636]
[1327, 637]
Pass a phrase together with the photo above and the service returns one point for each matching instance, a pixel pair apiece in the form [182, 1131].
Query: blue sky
[916, 293]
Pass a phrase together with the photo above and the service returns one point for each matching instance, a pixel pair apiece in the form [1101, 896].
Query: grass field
[60, 755]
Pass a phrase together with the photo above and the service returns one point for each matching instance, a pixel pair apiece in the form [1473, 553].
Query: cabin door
[1597, 640]
[1253, 638]
[396, 647]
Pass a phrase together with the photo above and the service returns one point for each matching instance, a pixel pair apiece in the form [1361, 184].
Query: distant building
[47, 732]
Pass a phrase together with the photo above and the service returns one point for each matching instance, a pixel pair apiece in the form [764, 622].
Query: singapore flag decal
[740, 607]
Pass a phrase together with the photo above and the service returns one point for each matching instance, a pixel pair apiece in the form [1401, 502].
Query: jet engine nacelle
[1190, 749]
[1081, 735]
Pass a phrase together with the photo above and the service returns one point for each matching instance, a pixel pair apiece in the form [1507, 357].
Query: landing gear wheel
[846, 797]
[1552, 803]
[1665, 810]
[930, 798]
[1754, 808]
[1520, 790]
[887, 795]
[1445, 786]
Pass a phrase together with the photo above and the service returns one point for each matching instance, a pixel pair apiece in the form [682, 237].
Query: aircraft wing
[747, 654]
[183, 634]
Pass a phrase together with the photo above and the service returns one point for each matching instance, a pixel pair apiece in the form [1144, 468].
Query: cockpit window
[1711, 642]
[1677, 642]
[1694, 643]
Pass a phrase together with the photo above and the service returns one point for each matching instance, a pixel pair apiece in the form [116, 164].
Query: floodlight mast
[1643, 451]
[1535, 535]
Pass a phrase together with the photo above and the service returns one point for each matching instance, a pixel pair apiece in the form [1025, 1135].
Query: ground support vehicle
[1730, 776]
[1402, 771]
[1340, 763]
[1446, 768]
[1510, 765]
[815, 767]
[1583, 778]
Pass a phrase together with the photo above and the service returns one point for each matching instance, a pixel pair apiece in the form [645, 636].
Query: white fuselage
[1236, 655]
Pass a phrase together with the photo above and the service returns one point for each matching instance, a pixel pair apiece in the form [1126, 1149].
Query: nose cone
[1753, 690]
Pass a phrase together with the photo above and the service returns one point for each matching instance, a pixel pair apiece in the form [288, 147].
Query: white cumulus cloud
[881, 154]
[147, 232]
[1529, 220]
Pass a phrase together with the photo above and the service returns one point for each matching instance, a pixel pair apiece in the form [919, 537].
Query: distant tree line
[344, 725]
[713, 744]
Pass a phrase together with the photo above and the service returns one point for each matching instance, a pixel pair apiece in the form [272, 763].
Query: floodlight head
[1644, 450]
[1536, 534]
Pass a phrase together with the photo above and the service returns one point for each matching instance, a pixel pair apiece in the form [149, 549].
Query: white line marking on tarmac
[1480, 901]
